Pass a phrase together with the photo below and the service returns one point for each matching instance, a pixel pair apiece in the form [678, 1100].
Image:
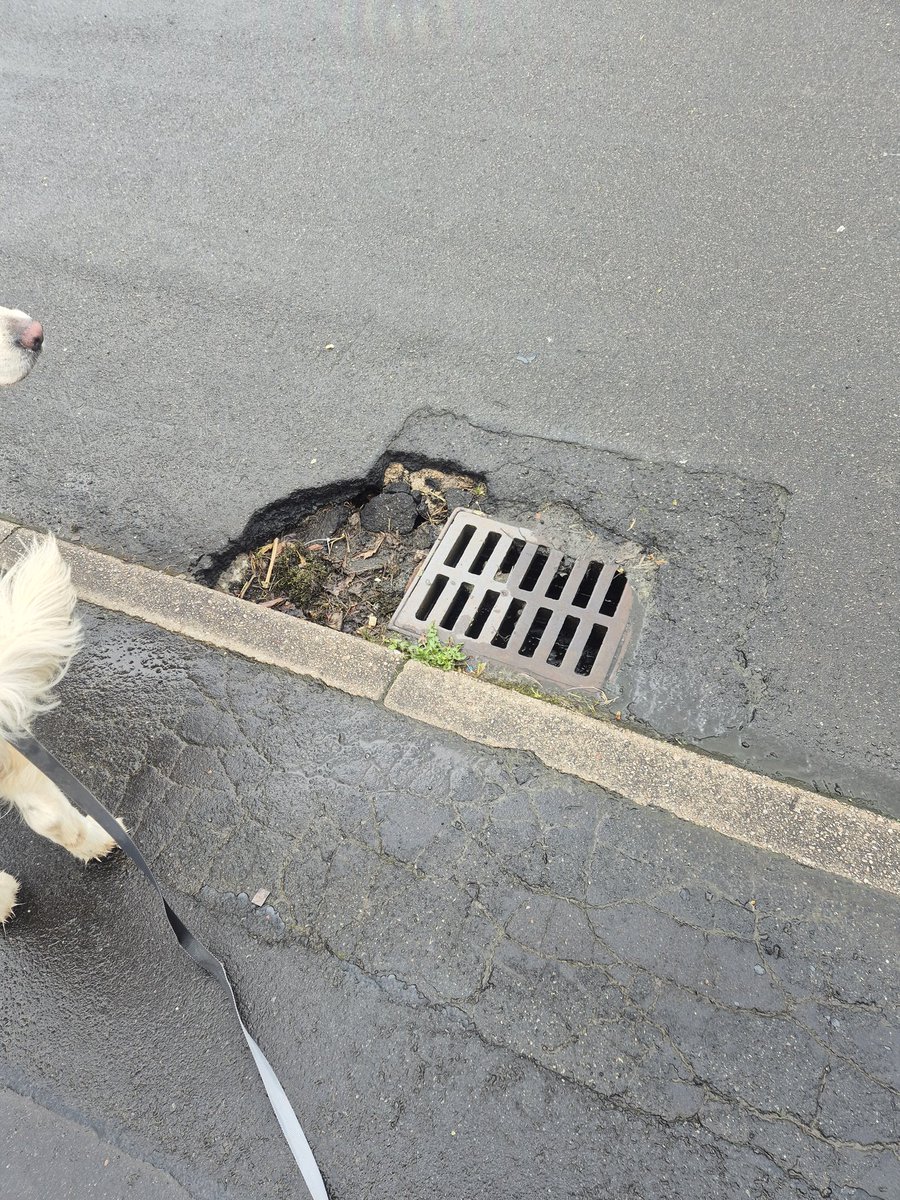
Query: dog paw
[92, 842]
[9, 890]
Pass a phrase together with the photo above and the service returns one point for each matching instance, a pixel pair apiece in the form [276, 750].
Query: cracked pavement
[474, 976]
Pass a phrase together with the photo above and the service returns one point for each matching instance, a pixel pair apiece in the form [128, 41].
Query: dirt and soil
[347, 564]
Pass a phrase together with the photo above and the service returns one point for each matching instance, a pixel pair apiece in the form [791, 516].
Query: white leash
[40, 757]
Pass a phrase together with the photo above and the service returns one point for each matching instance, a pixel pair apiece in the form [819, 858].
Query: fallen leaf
[373, 549]
[334, 620]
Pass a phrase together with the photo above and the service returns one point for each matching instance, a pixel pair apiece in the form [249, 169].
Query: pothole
[347, 564]
[542, 605]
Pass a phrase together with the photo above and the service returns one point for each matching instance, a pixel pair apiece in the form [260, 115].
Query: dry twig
[274, 555]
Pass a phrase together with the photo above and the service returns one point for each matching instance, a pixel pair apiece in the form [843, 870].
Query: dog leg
[46, 810]
[9, 889]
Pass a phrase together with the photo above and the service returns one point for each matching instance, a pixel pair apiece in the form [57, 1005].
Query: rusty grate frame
[508, 598]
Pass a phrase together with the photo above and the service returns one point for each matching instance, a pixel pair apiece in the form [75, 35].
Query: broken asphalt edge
[778, 817]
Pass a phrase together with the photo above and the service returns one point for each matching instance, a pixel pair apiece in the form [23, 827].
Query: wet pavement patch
[459, 923]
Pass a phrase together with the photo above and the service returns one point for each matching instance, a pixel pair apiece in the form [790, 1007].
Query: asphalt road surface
[664, 231]
[475, 977]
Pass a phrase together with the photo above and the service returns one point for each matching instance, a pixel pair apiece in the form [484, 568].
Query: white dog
[38, 636]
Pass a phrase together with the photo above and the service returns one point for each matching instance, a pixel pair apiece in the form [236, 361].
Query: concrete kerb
[778, 817]
[197, 612]
[810, 829]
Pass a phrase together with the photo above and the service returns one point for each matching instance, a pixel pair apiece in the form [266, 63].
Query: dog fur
[39, 634]
[15, 360]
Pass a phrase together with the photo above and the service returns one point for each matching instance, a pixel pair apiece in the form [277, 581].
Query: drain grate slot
[613, 594]
[510, 558]
[591, 650]
[480, 561]
[456, 605]
[510, 599]
[560, 579]
[563, 641]
[482, 612]
[508, 624]
[582, 597]
[466, 534]
[538, 560]
[423, 612]
[532, 638]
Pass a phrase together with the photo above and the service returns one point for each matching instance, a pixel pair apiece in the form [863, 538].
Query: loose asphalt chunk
[475, 976]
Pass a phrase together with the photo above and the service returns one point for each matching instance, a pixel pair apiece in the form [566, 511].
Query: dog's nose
[32, 336]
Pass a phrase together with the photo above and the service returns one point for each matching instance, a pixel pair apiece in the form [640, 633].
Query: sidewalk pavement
[475, 976]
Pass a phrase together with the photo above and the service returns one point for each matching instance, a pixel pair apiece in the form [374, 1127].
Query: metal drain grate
[509, 599]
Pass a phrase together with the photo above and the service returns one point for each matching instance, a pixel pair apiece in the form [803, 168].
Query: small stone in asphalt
[457, 498]
[322, 524]
[390, 511]
[758, 969]
[424, 536]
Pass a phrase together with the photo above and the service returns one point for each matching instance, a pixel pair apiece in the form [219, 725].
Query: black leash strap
[40, 757]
